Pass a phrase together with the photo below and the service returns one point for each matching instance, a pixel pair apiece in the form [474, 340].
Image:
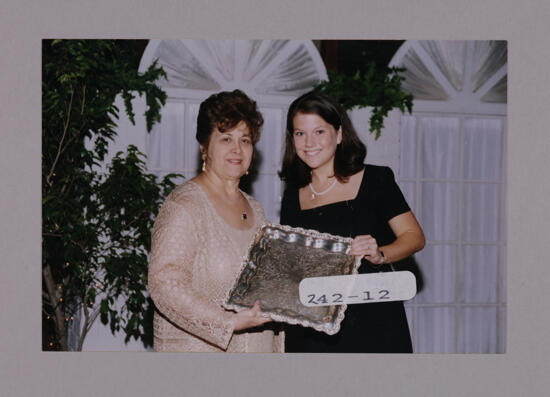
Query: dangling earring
[246, 173]
[203, 162]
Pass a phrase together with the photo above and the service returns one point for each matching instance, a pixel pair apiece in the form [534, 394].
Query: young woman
[330, 189]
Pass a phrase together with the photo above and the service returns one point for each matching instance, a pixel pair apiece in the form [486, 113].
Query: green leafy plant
[380, 90]
[95, 224]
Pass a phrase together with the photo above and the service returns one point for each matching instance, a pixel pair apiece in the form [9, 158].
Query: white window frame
[462, 105]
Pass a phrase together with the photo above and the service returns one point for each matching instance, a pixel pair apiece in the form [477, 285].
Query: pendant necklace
[316, 193]
[244, 215]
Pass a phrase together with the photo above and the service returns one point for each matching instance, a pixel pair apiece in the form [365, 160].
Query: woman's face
[315, 140]
[229, 153]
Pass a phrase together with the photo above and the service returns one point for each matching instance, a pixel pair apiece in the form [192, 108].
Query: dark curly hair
[224, 111]
[350, 153]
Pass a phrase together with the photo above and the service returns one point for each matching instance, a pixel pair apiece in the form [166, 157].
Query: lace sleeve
[173, 252]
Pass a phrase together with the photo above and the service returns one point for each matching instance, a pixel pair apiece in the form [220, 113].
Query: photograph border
[26, 370]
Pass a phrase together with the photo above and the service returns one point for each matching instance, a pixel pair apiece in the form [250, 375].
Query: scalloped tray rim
[330, 330]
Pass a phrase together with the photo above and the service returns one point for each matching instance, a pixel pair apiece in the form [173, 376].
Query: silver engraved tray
[278, 259]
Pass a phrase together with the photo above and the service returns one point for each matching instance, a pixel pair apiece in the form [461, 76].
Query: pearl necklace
[316, 193]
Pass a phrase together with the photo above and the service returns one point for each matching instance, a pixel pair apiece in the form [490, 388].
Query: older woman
[328, 188]
[200, 236]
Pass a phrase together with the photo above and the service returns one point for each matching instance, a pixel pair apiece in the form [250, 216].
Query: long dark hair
[350, 153]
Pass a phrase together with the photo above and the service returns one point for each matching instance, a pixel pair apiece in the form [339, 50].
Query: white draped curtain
[452, 171]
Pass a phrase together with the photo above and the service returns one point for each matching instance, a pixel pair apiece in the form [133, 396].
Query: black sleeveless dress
[366, 328]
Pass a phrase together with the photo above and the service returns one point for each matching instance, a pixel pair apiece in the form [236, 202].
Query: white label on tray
[357, 288]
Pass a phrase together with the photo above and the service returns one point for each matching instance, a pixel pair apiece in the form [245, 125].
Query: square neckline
[359, 191]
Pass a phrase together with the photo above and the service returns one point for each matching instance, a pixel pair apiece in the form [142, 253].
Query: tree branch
[65, 129]
[94, 315]
[61, 328]
[85, 326]
[52, 234]
[83, 98]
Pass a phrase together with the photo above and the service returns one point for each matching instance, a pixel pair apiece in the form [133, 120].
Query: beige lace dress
[195, 257]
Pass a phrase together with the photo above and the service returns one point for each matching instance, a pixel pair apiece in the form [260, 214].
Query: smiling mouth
[237, 162]
[312, 153]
